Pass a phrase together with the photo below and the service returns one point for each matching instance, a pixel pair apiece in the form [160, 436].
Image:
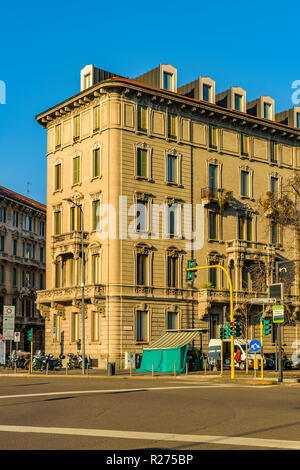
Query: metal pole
[280, 375]
[83, 285]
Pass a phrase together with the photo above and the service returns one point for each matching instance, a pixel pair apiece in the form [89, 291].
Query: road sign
[8, 322]
[255, 345]
[278, 313]
[263, 301]
[276, 290]
[17, 337]
[1, 338]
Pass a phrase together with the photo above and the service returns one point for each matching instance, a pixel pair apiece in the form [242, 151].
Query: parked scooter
[75, 361]
[52, 363]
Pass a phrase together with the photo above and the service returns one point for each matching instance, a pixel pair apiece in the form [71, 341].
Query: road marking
[128, 390]
[153, 436]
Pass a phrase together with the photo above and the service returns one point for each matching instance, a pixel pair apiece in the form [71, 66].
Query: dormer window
[206, 93]
[238, 102]
[87, 80]
[168, 81]
[267, 111]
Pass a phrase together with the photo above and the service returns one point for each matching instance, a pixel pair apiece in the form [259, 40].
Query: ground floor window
[95, 326]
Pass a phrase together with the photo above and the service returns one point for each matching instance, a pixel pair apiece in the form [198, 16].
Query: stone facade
[120, 143]
[22, 263]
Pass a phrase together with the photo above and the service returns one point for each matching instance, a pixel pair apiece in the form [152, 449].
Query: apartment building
[22, 263]
[149, 176]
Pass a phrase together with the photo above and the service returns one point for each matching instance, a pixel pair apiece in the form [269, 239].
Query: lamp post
[82, 280]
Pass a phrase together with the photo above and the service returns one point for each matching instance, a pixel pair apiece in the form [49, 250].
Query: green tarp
[163, 360]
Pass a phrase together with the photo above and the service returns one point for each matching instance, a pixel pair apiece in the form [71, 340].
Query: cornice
[184, 104]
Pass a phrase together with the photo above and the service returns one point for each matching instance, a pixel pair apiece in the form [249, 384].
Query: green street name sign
[278, 313]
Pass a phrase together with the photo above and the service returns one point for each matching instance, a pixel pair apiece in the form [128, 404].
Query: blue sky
[45, 44]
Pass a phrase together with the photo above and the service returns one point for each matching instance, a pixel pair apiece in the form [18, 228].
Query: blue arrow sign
[255, 345]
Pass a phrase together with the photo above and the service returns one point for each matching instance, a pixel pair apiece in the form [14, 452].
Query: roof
[174, 339]
[22, 199]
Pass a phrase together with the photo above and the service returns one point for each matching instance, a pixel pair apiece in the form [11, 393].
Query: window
[41, 254]
[96, 269]
[212, 276]
[75, 327]
[87, 80]
[95, 215]
[206, 90]
[41, 284]
[172, 271]
[72, 219]
[298, 120]
[28, 223]
[238, 102]
[2, 274]
[167, 81]
[212, 225]
[274, 232]
[212, 137]
[15, 247]
[76, 170]
[142, 118]
[96, 163]
[56, 324]
[141, 216]
[267, 111]
[42, 229]
[142, 269]
[142, 163]
[57, 177]
[96, 118]
[213, 325]
[141, 325]
[241, 228]
[245, 278]
[95, 326]
[212, 175]
[273, 151]
[58, 136]
[244, 144]
[76, 128]
[15, 219]
[244, 183]
[79, 218]
[3, 214]
[172, 124]
[273, 185]
[58, 269]
[2, 243]
[172, 168]
[14, 277]
[249, 229]
[172, 320]
[57, 223]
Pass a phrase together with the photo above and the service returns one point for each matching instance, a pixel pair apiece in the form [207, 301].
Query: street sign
[276, 290]
[278, 313]
[1, 338]
[263, 301]
[255, 345]
[8, 322]
[17, 337]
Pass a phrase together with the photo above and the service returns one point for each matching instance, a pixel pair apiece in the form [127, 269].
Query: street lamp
[82, 280]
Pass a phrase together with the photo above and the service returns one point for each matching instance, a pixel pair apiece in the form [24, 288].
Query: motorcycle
[53, 363]
[75, 361]
[37, 362]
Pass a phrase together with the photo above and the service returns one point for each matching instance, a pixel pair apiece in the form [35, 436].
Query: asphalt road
[47, 413]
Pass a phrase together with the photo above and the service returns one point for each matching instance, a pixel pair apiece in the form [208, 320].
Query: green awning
[175, 339]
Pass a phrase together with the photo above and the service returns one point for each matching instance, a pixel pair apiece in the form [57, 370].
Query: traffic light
[224, 332]
[238, 329]
[29, 335]
[190, 275]
[232, 329]
[267, 327]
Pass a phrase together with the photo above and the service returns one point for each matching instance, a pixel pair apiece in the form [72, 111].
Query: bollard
[15, 367]
[66, 368]
[152, 370]
[174, 370]
[130, 369]
[205, 364]
[47, 368]
[186, 369]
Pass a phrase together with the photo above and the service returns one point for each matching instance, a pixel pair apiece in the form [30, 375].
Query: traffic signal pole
[196, 268]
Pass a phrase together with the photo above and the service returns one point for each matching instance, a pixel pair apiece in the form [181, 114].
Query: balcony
[249, 247]
[68, 294]
[221, 197]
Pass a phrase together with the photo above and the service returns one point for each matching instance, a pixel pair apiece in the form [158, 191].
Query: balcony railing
[220, 196]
